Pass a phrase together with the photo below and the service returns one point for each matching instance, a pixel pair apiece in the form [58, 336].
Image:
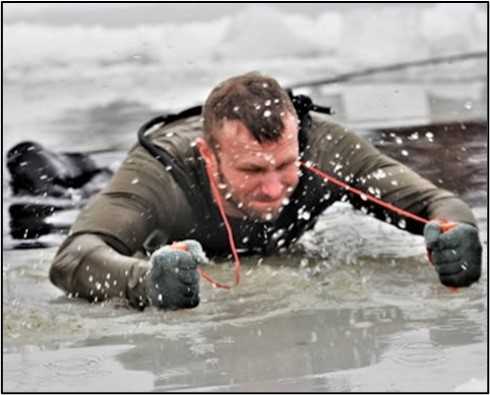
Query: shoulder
[322, 125]
[327, 138]
[326, 131]
[178, 138]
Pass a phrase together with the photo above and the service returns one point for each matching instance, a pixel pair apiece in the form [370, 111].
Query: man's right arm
[99, 259]
[87, 267]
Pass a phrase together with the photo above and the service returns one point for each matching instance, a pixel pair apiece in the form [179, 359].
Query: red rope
[229, 231]
[365, 195]
[444, 224]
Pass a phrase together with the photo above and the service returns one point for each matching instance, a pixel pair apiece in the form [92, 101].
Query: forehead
[234, 137]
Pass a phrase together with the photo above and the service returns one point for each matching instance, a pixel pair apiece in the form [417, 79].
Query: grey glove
[456, 253]
[173, 281]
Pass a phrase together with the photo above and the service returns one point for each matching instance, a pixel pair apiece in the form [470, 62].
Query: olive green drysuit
[144, 206]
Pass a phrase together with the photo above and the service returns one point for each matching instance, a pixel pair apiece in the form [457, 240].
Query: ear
[206, 152]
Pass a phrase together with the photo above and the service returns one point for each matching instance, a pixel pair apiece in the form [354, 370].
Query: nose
[272, 187]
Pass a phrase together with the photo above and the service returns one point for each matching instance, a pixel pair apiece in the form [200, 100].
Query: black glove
[456, 253]
[173, 281]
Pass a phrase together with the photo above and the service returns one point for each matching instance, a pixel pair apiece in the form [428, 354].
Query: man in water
[250, 144]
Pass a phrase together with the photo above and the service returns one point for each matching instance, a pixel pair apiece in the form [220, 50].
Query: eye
[253, 170]
[285, 165]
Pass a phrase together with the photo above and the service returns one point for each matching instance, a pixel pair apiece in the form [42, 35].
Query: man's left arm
[455, 253]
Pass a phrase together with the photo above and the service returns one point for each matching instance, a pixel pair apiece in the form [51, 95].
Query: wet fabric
[143, 207]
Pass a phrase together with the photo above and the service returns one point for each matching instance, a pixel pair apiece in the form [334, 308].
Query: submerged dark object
[36, 170]
[28, 220]
[49, 183]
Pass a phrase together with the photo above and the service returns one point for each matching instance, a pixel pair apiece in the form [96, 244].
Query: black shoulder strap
[179, 173]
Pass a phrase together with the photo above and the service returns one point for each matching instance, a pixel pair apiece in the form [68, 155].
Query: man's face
[256, 179]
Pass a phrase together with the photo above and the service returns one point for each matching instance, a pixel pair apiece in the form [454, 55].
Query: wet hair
[256, 100]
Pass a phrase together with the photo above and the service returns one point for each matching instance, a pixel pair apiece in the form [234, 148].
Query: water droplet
[430, 136]
[267, 113]
[404, 152]
[90, 279]
[134, 181]
[414, 136]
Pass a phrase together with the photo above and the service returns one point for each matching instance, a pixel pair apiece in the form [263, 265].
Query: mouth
[267, 206]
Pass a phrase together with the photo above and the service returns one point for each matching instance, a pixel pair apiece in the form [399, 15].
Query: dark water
[452, 156]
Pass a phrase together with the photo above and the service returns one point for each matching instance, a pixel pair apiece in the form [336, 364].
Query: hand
[173, 281]
[456, 253]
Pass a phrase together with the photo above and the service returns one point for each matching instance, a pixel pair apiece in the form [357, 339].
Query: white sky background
[125, 15]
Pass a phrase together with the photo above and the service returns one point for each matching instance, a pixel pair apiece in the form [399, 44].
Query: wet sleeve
[352, 159]
[141, 198]
[86, 267]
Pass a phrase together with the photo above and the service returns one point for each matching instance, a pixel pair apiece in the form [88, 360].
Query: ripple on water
[415, 349]
[87, 365]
